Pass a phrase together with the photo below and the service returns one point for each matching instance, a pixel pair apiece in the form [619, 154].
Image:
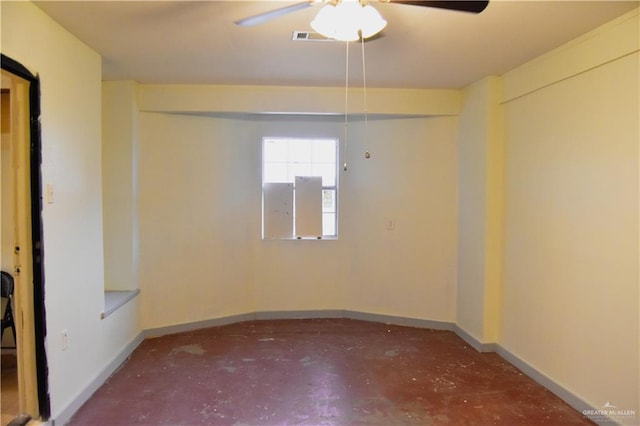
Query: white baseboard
[404, 321]
[567, 396]
[280, 315]
[475, 343]
[197, 325]
[573, 400]
[66, 413]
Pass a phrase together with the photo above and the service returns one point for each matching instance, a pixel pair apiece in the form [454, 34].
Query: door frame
[37, 254]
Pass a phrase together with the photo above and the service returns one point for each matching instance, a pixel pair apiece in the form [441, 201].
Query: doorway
[23, 356]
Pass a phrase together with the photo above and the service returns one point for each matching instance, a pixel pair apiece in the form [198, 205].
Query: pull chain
[346, 109]
[367, 154]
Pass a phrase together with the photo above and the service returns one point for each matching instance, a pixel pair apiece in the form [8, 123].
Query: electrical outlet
[390, 223]
[65, 339]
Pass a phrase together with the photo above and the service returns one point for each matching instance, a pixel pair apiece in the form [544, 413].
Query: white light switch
[49, 193]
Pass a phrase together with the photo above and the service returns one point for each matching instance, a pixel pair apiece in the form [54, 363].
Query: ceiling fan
[350, 20]
[456, 5]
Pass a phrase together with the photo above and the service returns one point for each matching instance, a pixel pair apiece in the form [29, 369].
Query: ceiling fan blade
[461, 5]
[272, 14]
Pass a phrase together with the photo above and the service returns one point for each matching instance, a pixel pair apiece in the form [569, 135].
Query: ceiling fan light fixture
[328, 22]
[347, 20]
[371, 22]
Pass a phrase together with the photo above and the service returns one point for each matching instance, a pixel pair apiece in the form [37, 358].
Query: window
[299, 188]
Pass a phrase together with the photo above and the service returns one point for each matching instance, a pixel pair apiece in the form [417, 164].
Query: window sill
[113, 300]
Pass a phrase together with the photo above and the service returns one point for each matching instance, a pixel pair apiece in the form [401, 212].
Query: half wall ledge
[114, 299]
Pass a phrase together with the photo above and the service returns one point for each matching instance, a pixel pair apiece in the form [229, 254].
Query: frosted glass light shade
[371, 22]
[345, 21]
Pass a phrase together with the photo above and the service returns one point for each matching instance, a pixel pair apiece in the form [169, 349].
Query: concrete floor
[320, 372]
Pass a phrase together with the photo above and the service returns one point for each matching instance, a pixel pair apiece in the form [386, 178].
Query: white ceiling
[197, 42]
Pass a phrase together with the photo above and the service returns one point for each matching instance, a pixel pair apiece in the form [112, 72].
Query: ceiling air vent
[309, 36]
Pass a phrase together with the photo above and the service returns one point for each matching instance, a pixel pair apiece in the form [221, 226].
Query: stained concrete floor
[320, 372]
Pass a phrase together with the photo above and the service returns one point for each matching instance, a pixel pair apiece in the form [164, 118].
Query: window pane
[299, 169]
[277, 210]
[324, 151]
[308, 206]
[276, 151]
[329, 224]
[328, 201]
[300, 151]
[276, 172]
[286, 158]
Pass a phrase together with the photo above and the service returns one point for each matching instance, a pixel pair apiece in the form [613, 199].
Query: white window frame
[275, 182]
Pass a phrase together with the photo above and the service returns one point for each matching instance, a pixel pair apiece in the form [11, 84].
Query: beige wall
[570, 305]
[196, 221]
[569, 281]
[119, 184]
[412, 179]
[296, 100]
[70, 78]
[477, 264]
[201, 255]
[481, 205]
